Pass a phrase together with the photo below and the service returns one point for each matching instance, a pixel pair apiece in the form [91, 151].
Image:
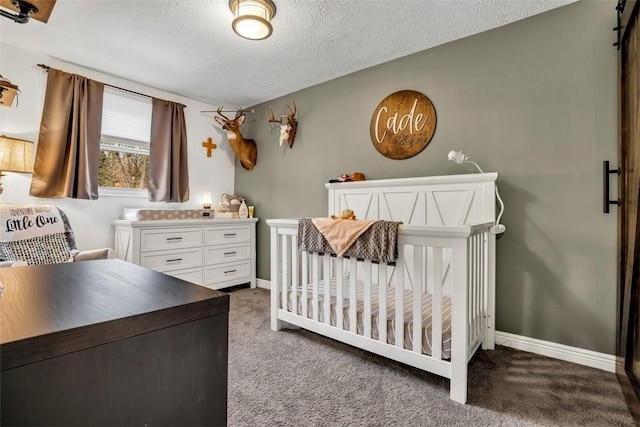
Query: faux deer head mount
[288, 124]
[245, 149]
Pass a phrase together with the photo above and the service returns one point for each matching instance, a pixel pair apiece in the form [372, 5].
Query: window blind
[126, 116]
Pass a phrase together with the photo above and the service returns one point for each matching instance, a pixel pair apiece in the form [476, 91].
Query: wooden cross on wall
[209, 145]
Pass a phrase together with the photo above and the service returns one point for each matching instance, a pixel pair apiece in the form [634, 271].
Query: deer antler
[271, 118]
[219, 111]
[292, 112]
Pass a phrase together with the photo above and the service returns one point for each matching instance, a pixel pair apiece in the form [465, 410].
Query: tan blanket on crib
[341, 233]
[378, 242]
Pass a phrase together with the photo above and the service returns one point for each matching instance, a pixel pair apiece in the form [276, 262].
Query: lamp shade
[15, 155]
[252, 18]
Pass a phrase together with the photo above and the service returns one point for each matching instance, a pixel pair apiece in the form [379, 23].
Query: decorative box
[158, 214]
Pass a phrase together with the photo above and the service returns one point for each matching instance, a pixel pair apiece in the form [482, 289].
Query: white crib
[433, 307]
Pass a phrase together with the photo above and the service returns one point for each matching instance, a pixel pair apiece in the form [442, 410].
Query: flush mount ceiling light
[252, 18]
[36, 9]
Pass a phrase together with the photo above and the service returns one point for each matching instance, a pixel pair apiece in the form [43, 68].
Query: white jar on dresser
[216, 253]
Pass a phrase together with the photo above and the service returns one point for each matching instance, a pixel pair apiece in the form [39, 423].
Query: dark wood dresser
[110, 343]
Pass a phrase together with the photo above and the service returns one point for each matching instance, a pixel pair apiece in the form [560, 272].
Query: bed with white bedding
[430, 308]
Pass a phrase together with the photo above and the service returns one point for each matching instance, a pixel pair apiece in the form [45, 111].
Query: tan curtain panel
[168, 171]
[66, 162]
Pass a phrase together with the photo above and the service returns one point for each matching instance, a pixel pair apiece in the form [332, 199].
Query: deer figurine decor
[245, 149]
[288, 124]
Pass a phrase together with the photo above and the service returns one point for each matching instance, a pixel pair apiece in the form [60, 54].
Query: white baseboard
[606, 362]
[264, 284]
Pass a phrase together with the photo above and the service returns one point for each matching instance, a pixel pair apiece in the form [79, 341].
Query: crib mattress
[391, 314]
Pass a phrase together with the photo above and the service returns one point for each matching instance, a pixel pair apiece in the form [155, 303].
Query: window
[124, 145]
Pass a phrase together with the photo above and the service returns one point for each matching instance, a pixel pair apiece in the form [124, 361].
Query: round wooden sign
[403, 124]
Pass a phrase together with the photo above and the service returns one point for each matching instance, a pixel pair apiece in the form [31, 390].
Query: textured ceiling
[187, 47]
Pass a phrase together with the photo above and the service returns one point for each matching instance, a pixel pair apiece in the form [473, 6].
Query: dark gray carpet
[297, 378]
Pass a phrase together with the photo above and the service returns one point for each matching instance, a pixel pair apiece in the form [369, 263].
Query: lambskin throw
[378, 242]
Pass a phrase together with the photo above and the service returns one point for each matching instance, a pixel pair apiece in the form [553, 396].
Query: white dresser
[216, 253]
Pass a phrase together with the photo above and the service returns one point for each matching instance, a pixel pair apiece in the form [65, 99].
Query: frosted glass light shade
[206, 200]
[252, 18]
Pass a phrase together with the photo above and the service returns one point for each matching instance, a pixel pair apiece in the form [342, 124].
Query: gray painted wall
[534, 101]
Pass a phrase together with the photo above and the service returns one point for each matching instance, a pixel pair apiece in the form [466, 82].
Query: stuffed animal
[356, 176]
[346, 214]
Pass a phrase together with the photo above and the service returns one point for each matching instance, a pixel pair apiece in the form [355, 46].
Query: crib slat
[418, 284]
[490, 330]
[482, 285]
[314, 283]
[305, 285]
[382, 302]
[428, 267]
[286, 271]
[326, 276]
[352, 295]
[436, 305]
[295, 277]
[399, 274]
[339, 293]
[476, 259]
[471, 278]
[367, 298]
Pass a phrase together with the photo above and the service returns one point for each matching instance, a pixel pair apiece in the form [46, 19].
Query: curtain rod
[47, 68]
[242, 110]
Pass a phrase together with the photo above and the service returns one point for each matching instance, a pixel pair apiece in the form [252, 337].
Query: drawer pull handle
[231, 253]
[229, 234]
[174, 260]
[229, 271]
[170, 239]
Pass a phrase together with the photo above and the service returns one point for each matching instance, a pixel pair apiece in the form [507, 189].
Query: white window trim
[139, 193]
[124, 150]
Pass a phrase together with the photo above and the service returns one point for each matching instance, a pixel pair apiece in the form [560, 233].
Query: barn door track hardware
[606, 172]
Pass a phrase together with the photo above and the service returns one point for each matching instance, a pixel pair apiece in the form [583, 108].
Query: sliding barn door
[628, 367]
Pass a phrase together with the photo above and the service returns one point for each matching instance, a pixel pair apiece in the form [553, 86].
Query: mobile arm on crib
[459, 157]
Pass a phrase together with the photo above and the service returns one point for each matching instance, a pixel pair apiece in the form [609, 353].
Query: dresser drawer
[230, 271]
[226, 253]
[226, 234]
[174, 238]
[193, 275]
[172, 260]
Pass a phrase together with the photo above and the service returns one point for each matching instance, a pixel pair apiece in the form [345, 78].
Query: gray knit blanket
[378, 243]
